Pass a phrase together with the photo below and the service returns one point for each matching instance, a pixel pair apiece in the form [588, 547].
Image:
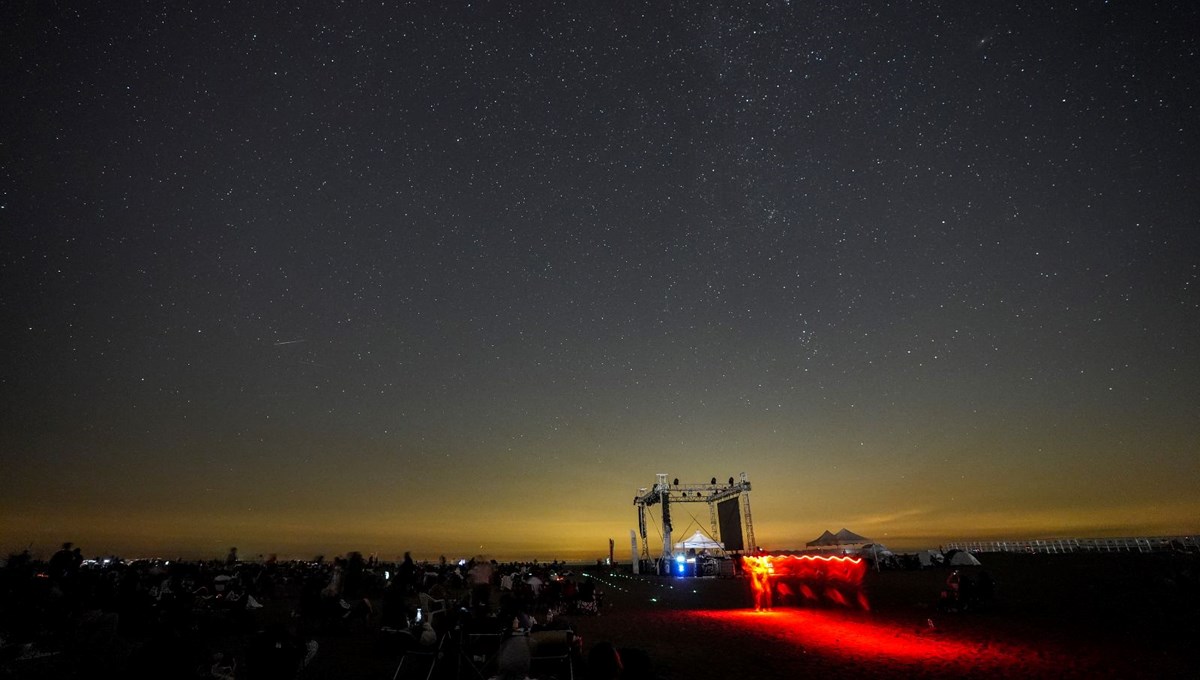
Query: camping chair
[431, 606]
[415, 653]
[553, 647]
[478, 646]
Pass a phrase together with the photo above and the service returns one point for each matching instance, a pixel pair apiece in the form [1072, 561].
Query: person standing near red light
[760, 575]
[953, 582]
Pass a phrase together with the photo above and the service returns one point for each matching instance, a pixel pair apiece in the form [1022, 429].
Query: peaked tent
[698, 541]
[847, 537]
[824, 539]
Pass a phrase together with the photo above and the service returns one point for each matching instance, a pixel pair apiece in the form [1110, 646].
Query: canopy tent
[847, 537]
[698, 541]
[824, 539]
[843, 537]
[876, 554]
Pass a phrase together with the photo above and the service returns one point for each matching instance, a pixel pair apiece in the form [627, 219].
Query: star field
[387, 277]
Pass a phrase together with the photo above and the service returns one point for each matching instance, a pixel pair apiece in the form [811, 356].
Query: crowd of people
[231, 619]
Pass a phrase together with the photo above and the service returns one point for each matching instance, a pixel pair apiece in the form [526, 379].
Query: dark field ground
[1060, 616]
[1069, 616]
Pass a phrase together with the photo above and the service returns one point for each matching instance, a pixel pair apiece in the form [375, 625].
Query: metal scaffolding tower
[749, 522]
[666, 494]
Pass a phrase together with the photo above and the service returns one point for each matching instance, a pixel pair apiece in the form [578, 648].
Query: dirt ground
[1062, 616]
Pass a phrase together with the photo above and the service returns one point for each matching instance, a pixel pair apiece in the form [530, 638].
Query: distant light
[679, 558]
[387, 575]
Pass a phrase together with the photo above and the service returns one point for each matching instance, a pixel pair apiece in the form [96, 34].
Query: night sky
[460, 278]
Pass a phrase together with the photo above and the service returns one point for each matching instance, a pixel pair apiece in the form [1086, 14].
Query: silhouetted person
[604, 662]
[637, 663]
[406, 573]
[953, 581]
[395, 609]
[966, 592]
[480, 577]
[60, 563]
[353, 581]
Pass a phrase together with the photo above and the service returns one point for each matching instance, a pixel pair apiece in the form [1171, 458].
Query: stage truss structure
[666, 493]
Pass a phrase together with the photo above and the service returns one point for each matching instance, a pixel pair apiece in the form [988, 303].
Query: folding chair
[478, 645]
[553, 648]
[430, 605]
[415, 653]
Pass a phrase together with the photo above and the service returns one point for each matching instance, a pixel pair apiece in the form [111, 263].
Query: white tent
[873, 551]
[963, 558]
[930, 558]
[698, 541]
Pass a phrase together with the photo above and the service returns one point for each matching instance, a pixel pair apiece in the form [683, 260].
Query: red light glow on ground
[854, 636]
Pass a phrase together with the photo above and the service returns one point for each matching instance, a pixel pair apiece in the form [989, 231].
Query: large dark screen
[729, 515]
